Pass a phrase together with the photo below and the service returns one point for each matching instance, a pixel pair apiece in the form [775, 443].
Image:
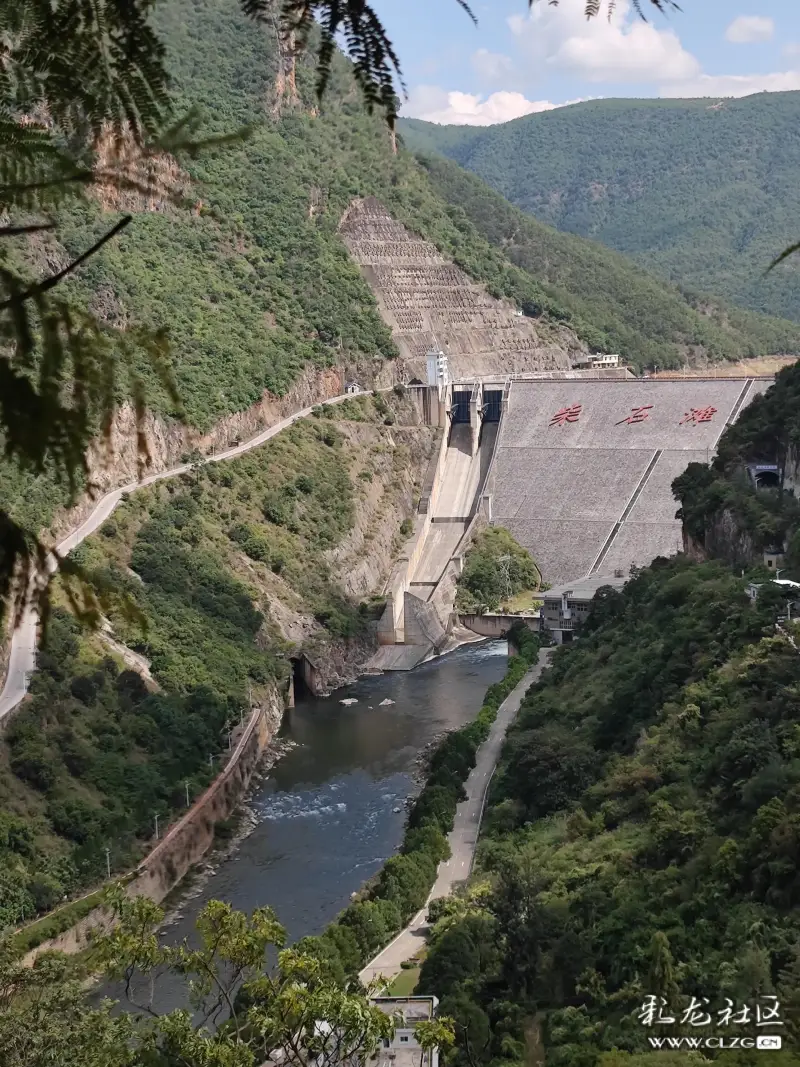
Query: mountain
[703, 192]
[256, 285]
[236, 564]
[607, 298]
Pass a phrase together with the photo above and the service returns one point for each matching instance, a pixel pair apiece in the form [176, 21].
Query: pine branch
[54, 279]
[17, 231]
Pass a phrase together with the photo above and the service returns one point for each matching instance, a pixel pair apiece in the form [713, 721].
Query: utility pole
[211, 759]
[108, 863]
[186, 784]
[504, 562]
[156, 818]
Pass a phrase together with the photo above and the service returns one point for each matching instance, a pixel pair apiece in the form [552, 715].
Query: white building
[566, 607]
[785, 583]
[352, 387]
[402, 1050]
[438, 371]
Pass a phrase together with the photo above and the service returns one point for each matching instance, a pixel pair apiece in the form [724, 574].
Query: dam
[578, 469]
[583, 470]
[577, 464]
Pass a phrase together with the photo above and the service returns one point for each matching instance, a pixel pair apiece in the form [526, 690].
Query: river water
[331, 811]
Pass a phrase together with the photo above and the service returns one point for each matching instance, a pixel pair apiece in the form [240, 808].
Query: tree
[661, 972]
[45, 1019]
[242, 1014]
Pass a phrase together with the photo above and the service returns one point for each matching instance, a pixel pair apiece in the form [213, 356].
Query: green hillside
[252, 279]
[642, 839]
[703, 191]
[612, 302]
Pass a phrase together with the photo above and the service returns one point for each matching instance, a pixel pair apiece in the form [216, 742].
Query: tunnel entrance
[767, 480]
[304, 677]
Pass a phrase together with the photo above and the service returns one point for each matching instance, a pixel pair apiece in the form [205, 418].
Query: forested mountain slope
[256, 287]
[230, 569]
[619, 307]
[701, 191]
[642, 839]
[724, 514]
[252, 279]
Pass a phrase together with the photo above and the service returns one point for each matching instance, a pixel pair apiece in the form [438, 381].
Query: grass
[526, 601]
[55, 923]
[405, 983]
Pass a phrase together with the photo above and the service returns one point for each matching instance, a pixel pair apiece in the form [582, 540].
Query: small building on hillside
[402, 1050]
[566, 607]
[773, 558]
[788, 587]
[786, 584]
[599, 361]
[352, 387]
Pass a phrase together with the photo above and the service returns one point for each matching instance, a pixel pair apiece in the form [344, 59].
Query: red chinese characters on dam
[696, 415]
[570, 414]
[692, 417]
[637, 415]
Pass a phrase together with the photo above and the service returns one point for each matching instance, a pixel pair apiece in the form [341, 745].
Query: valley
[419, 676]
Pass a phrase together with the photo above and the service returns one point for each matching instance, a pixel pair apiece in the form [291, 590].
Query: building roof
[413, 1008]
[787, 583]
[584, 588]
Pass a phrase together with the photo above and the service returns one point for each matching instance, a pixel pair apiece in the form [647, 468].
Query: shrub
[32, 763]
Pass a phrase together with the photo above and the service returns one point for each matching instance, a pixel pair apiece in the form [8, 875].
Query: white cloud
[493, 67]
[625, 49]
[747, 29]
[434, 104]
[621, 49]
[720, 85]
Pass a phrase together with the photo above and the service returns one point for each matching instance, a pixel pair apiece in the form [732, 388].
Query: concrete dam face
[583, 470]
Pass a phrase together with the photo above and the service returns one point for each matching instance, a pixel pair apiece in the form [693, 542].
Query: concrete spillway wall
[391, 628]
[583, 471]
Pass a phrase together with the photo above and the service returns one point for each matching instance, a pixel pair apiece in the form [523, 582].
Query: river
[331, 811]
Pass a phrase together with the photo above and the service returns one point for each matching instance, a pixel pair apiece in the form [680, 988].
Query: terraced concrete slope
[583, 471]
[428, 302]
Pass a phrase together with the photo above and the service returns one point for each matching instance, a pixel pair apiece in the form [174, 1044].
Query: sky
[520, 60]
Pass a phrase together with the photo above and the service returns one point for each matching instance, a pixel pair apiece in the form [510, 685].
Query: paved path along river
[463, 838]
[22, 658]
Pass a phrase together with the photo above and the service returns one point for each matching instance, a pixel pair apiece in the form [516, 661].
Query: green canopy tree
[241, 1013]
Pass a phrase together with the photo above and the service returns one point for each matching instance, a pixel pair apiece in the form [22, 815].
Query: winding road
[463, 838]
[22, 659]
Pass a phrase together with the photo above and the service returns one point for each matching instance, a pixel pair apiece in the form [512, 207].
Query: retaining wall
[191, 837]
